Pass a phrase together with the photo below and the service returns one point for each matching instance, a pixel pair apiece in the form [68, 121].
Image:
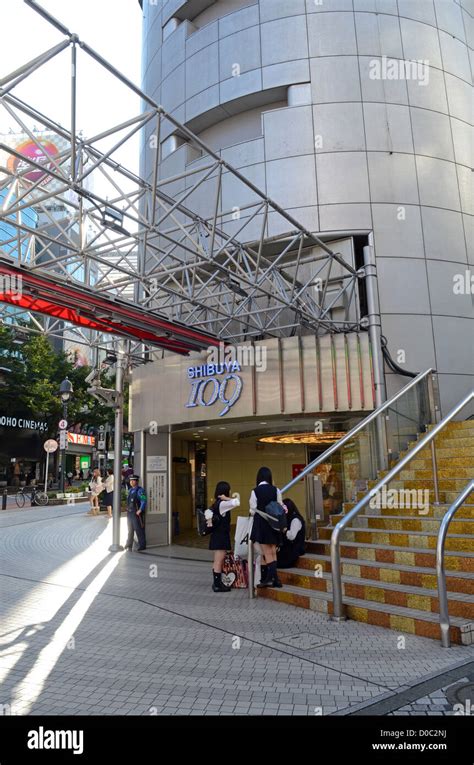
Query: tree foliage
[31, 373]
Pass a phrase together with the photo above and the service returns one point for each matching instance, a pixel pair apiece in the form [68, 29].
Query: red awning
[51, 295]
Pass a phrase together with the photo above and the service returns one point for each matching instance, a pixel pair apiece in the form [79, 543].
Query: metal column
[120, 368]
[375, 335]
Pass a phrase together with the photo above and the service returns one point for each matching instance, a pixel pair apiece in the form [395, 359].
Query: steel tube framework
[228, 272]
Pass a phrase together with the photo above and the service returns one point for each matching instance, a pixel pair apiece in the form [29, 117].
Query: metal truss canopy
[203, 255]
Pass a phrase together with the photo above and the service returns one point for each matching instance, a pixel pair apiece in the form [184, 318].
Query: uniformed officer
[136, 504]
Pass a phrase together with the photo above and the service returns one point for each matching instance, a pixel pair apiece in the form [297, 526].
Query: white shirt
[228, 504]
[96, 485]
[296, 526]
[253, 498]
[109, 483]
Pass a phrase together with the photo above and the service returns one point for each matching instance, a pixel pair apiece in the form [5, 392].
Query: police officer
[136, 504]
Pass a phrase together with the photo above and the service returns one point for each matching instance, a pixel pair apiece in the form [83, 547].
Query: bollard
[4, 499]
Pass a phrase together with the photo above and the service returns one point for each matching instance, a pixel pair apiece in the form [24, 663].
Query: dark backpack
[274, 515]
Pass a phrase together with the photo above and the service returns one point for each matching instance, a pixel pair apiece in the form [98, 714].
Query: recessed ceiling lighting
[304, 438]
[263, 423]
[205, 439]
[223, 428]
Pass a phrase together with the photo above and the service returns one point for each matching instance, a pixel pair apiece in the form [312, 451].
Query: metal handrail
[440, 571]
[351, 433]
[338, 612]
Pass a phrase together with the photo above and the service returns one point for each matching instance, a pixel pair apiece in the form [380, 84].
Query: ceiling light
[314, 439]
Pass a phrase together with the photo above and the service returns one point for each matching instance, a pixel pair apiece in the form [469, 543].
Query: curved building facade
[353, 115]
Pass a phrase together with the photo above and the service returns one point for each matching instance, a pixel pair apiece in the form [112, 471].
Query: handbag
[235, 572]
[202, 526]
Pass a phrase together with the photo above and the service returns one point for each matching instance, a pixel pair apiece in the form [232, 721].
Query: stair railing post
[434, 463]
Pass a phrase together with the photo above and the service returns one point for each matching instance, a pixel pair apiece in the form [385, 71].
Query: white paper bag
[242, 532]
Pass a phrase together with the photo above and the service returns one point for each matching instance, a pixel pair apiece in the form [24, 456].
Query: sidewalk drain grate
[304, 641]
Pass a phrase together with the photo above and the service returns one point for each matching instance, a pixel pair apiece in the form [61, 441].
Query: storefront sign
[156, 463]
[22, 423]
[78, 438]
[206, 388]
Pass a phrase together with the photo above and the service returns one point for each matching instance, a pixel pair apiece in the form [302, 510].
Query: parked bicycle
[35, 494]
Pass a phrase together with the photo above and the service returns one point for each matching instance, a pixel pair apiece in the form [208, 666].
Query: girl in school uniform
[220, 536]
[262, 532]
[294, 537]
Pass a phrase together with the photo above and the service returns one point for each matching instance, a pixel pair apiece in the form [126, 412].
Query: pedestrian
[81, 474]
[262, 532]
[95, 487]
[69, 478]
[136, 504]
[293, 537]
[109, 492]
[219, 515]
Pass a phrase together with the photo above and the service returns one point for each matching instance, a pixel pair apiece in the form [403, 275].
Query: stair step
[397, 573]
[425, 539]
[466, 511]
[456, 472]
[442, 452]
[414, 556]
[406, 595]
[399, 618]
[425, 463]
[444, 484]
[454, 442]
[409, 523]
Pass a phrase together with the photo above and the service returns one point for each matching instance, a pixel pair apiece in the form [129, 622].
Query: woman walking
[262, 532]
[95, 487]
[219, 515]
[109, 492]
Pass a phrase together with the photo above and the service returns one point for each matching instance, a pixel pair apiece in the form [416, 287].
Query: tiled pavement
[87, 632]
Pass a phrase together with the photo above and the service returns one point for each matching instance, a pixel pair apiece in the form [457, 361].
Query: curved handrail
[440, 571]
[338, 613]
[351, 433]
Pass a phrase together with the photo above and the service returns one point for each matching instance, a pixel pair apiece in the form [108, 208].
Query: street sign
[101, 445]
[62, 424]
[63, 439]
[50, 445]
[101, 428]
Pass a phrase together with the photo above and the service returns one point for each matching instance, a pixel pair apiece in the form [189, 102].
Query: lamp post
[65, 391]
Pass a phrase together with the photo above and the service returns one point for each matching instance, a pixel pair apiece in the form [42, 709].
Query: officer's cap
[134, 478]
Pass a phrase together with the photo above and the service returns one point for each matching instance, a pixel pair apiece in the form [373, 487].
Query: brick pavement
[87, 632]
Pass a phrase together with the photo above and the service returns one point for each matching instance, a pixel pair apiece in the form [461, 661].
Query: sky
[111, 27]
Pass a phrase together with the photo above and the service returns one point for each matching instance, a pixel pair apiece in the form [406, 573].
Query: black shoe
[276, 583]
[140, 549]
[266, 582]
[218, 585]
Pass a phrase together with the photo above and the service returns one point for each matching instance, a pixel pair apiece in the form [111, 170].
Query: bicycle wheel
[20, 499]
[41, 498]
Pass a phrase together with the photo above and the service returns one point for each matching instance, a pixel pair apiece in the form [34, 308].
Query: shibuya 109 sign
[215, 382]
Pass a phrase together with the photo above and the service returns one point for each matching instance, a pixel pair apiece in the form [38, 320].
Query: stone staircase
[388, 555]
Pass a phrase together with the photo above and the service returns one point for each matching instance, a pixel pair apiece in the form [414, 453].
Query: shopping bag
[235, 572]
[242, 533]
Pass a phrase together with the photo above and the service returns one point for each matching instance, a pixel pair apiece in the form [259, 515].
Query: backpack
[274, 515]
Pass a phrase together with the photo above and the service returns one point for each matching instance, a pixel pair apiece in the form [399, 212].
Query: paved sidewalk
[87, 632]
